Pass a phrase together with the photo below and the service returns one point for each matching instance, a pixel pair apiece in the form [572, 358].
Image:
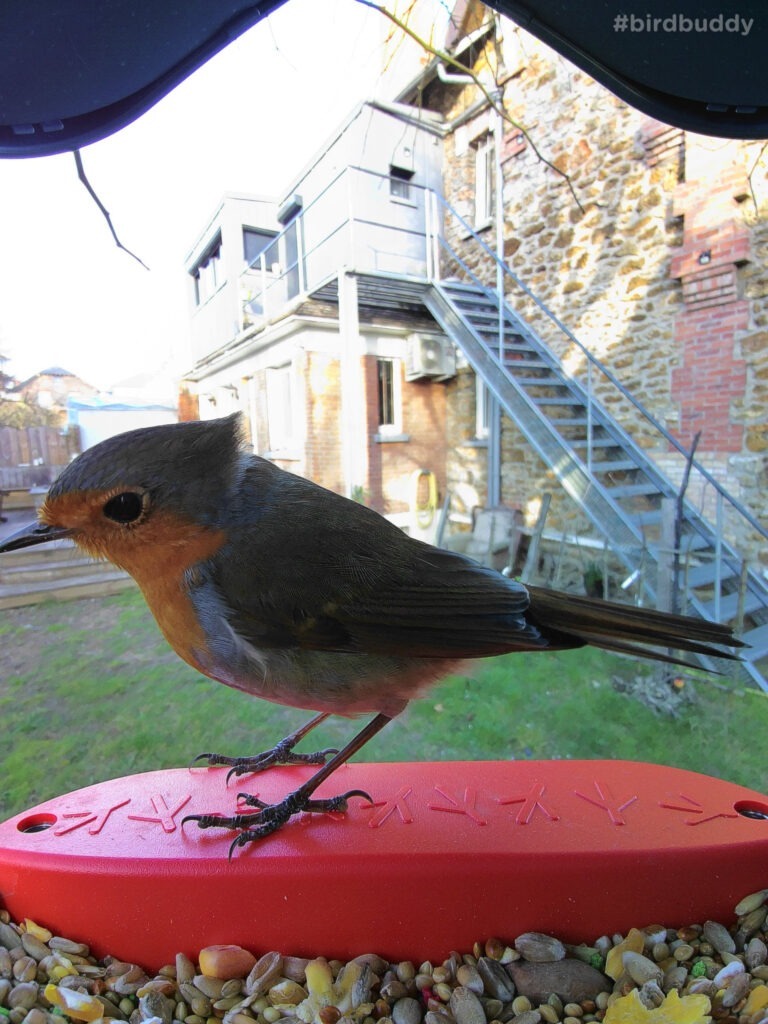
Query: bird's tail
[626, 629]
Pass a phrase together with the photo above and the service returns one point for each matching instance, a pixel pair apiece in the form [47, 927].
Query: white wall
[99, 424]
[217, 320]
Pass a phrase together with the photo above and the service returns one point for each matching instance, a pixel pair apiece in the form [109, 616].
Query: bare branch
[498, 107]
[752, 171]
[84, 179]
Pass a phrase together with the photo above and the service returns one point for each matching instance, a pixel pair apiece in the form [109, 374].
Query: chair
[494, 539]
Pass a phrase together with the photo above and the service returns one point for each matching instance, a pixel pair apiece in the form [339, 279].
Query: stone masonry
[654, 255]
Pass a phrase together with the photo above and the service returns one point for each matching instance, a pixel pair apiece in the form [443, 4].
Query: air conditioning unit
[429, 355]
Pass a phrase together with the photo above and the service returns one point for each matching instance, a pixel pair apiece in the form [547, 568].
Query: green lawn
[89, 690]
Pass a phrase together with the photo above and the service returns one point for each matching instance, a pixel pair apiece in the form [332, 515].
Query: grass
[89, 690]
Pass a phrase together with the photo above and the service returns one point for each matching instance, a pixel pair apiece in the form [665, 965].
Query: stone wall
[653, 254]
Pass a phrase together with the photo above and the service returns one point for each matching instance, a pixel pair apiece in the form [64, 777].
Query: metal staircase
[600, 466]
[569, 407]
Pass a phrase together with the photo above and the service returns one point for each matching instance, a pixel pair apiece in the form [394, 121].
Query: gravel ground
[652, 975]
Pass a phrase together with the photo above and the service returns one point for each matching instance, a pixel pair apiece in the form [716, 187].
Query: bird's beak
[34, 533]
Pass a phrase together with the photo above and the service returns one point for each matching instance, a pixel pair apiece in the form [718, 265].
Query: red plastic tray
[450, 853]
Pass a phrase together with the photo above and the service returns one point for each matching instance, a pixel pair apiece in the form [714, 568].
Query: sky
[248, 121]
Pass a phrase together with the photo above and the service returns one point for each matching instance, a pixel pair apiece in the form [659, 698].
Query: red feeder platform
[448, 854]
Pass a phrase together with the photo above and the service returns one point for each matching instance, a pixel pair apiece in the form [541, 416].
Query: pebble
[495, 979]
[539, 948]
[25, 969]
[756, 953]
[156, 1005]
[24, 995]
[466, 1007]
[729, 971]
[225, 961]
[736, 990]
[675, 977]
[37, 1016]
[9, 937]
[407, 1011]
[533, 979]
[718, 936]
[683, 952]
[209, 985]
[641, 969]
[469, 976]
[34, 947]
[573, 980]
[751, 902]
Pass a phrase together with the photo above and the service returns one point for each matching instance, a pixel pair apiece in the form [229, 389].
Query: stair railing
[444, 218]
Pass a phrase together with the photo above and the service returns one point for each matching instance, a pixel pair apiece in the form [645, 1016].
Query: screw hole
[752, 809]
[36, 823]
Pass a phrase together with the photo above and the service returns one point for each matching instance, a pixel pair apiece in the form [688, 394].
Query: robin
[269, 583]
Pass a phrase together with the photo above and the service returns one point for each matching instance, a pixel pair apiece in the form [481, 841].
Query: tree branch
[498, 107]
[84, 179]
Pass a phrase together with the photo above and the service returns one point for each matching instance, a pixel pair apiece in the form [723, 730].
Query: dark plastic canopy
[75, 71]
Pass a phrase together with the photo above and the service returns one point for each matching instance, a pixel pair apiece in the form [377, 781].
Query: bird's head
[143, 495]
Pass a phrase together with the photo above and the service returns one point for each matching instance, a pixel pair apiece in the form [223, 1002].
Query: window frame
[394, 398]
[485, 181]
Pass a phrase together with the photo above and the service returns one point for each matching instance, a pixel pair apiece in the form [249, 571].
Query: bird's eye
[126, 507]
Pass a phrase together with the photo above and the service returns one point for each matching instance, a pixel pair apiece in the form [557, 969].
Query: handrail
[594, 361]
[434, 238]
[346, 219]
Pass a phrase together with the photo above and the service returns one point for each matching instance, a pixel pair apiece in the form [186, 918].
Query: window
[399, 182]
[254, 244]
[280, 408]
[485, 182]
[208, 273]
[388, 381]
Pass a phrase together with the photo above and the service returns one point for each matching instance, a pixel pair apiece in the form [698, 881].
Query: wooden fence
[32, 456]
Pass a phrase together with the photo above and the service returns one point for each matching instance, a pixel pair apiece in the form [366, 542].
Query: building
[52, 388]
[511, 280]
[295, 320]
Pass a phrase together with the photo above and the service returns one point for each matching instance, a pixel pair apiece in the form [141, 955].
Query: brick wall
[393, 463]
[322, 389]
[387, 486]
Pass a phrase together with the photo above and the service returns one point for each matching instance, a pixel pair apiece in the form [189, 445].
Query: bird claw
[281, 753]
[271, 817]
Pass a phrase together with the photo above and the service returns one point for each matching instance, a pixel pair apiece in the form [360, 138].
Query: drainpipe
[494, 412]
[453, 79]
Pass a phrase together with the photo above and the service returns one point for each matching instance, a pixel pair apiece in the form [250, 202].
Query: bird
[267, 582]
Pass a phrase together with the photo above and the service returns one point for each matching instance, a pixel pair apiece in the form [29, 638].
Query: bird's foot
[281, 753]
[271, 817]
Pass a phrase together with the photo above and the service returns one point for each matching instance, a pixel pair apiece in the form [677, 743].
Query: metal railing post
[590, 424]
[428, 254]
[435, 240]
[718, 553]
[263, 275]
[300, 253]
[594, 363]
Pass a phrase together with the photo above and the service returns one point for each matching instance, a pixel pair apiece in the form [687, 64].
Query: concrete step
[55, 572]
[758, 643]
[102, 584]
[58, 551]
[40, 571]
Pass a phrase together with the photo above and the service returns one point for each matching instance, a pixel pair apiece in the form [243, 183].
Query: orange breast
[171, 606]
[156, 552]
[169, 548]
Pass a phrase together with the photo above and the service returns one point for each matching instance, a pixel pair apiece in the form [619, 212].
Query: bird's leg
[281, 753]
[270, 817]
